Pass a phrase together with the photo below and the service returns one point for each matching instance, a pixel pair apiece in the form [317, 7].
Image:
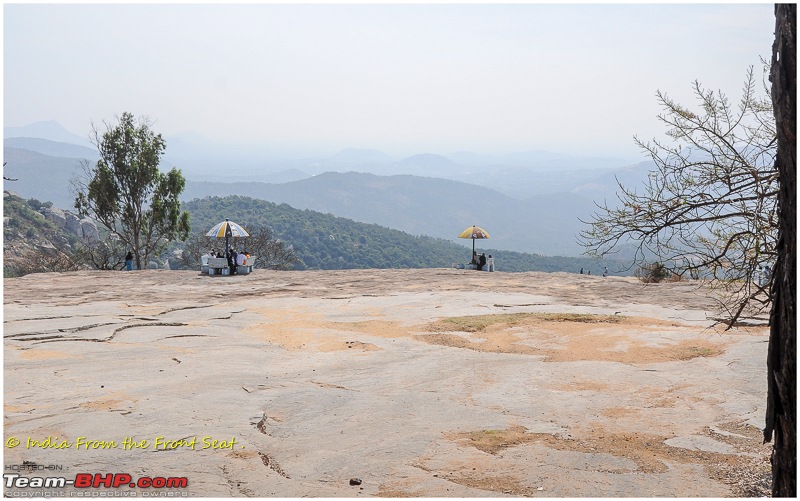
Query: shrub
[652, 273]
[40, 261]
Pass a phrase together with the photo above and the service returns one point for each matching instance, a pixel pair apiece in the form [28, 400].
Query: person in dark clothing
[129, 261]
[232, 261]
[481, 262]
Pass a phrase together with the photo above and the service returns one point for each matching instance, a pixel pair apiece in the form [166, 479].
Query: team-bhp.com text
[94, 481]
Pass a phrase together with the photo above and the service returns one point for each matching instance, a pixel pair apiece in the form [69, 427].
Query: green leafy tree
[127, 193]
[709, 207]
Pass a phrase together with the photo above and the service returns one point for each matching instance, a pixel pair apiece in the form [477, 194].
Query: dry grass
[564, 337]
[745, 470]
[555, 337]
[478, 323]
[493, 441]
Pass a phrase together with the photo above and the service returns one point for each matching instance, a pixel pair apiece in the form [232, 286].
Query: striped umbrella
[227, 229]
[474, 232]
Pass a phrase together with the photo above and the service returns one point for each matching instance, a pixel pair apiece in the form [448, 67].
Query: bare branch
[708, 207]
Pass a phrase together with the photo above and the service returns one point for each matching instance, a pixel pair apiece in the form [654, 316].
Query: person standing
[129, 261]
[234, 257]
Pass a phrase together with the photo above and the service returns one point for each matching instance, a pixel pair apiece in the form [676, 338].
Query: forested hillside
[545, 224]
[324, 241]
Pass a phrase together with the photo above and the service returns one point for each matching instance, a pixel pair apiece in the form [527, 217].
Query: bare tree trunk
[782, 357]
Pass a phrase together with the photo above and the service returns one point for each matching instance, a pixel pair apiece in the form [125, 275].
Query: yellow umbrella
[474, 232]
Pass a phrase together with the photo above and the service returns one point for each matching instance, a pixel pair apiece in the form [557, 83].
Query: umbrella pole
[472, 258]
[226, 247]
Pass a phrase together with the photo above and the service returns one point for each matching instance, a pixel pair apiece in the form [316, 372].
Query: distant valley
[529, 202]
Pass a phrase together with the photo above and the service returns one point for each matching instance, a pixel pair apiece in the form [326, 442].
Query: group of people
[589, 272]
[481, 261]
[235, 259]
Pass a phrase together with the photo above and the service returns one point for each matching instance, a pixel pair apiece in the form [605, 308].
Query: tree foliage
[708, 208]
[105, 254]
[127, 193]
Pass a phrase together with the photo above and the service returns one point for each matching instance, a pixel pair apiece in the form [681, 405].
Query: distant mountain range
[51, 148]
[519, 174]
[40, 176]
[50, 130]
[527, 204]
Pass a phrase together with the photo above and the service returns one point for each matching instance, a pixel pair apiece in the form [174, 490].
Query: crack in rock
[52, 331]
[181, 308]
[116, 331]
[272, 465]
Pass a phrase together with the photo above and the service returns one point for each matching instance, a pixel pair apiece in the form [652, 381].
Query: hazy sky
[415, 78]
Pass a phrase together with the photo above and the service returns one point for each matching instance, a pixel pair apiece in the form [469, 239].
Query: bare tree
[107, 254]
[781, 416]
[44, 261]
[8, 178]
[269, 252]
[193, 248]
[708, 208]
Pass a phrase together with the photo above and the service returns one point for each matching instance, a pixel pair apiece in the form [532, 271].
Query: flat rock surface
[423, 382]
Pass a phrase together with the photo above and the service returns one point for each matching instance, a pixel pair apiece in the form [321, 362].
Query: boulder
[73, 224]
[55, 216]
[89, 228]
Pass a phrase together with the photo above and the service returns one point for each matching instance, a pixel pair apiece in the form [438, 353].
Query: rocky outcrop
[89, 229]
[73, 224]
[55, 216]
[85, 228]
